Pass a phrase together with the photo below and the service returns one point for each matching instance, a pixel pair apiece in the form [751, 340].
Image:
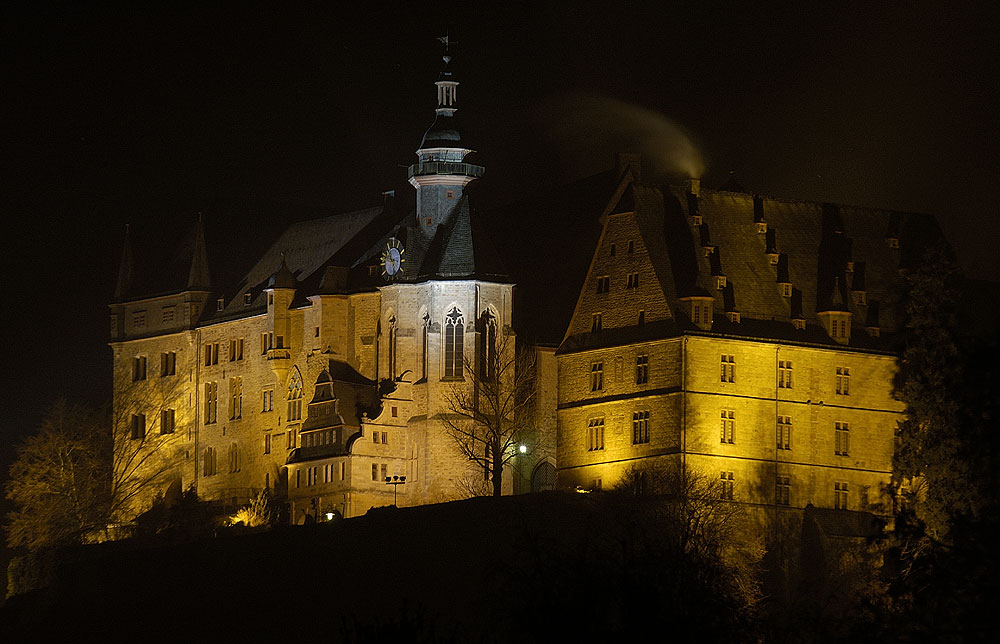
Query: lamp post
[394, 481]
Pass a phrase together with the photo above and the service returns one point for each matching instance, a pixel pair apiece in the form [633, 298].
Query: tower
[441, 174]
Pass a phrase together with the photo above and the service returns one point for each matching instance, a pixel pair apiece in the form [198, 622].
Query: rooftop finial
[446, 41]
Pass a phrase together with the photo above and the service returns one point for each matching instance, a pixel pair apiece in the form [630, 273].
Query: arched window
[454, 337]
[392, 348]
[295, 397]
[488, 350]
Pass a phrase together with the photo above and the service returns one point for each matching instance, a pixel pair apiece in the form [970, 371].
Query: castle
[744, 337]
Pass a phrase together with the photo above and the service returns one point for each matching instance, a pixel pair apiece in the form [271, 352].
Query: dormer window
[893, 242]
[772, 259]
[697, 220]
[220, 304]
[849, 267]
[734, 316]
[860, 298]
[720, 282]
[709, 250]
[799, 324]
[247, 298]
[837, 325]
[761, 227]
[785, 288]
[449, 194]
[701, 311]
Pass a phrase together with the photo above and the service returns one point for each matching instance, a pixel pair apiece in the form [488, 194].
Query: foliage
[488, 414]
[255, 514]
[58, 483]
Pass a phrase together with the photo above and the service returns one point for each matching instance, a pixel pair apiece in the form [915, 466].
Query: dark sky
[261, 117]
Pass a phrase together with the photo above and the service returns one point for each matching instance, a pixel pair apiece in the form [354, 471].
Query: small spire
[125, 268]
[198, 275]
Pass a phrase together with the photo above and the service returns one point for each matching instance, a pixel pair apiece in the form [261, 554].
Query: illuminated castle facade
[743, 337]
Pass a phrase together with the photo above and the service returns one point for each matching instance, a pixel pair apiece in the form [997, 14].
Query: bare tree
[490, 412]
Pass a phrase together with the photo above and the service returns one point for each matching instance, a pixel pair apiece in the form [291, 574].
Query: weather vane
[446, 41]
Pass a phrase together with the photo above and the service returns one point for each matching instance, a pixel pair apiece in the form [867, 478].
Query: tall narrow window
[840, 495]
[234, 458]
[728, 427]
[488, 366]
[596, 376]
[424, 353]
[295, 397]
[138, 426]
[728, 368]
[168, 363]
[211, 354]
[642, 370]
[783, 490]
[784, 432]
[236, 349]
[267, 443]
[841, 439]
[235, 397]
[208, 462]
[727, 485]
[211, 402]
[167, 421]
[595, 434]
[596, 322]
[454, 338]
[784, 374]
[640, 427]
[843, 381]
[267, 400]
[138, 368]
[632, 281]
[603, 284]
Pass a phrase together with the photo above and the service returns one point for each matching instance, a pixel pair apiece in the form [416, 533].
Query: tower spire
[441, 174]
[125, 268]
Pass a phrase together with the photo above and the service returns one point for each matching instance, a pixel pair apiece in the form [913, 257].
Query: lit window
[640, 427]
[728, 373]
[642, 370]
[782, 490]
[727, 485]
[728, 427]
[784, 374]
[840, 495]
[596, 376]
[595, 434]
[784, 432]
[841, 439]
[720, 282]
[843, 381]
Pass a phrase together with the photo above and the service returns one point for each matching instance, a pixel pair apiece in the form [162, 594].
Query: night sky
[261, 117]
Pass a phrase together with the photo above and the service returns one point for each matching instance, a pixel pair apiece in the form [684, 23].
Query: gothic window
[596, 376]
[454, 337]
[642, 370]
[784, 374]
[208, 462]
[234, 458]
[295, 397]
[235, 397]
[211, 402]
[595, 434]
[488, 368]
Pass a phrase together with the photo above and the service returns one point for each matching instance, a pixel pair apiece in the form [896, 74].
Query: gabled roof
[162, 267]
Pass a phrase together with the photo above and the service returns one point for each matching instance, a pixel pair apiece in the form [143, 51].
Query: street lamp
[394, 481]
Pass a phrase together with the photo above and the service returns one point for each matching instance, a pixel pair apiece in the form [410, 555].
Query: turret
[441, 174]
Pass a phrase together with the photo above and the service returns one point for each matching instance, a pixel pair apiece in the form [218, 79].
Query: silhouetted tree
[490, 412]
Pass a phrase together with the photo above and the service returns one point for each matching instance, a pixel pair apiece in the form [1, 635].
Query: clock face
[392, 258]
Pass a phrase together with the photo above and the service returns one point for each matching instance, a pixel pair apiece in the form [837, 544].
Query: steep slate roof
[815, 241]
[160, 268]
